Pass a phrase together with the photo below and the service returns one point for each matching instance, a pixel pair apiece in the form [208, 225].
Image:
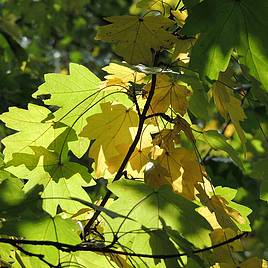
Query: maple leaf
[181, 50]
[119, 74]
[78, 96]
[167, 138]
[109, 129]
[90, 259]
[139, 158]
[235, 26]
[46, 228]
[223, 254]
[182, 124]
[161, 5]
[227, 104]
[168, 92]
[177, 167]
[33, 129]
[60, 180]
[154, 210]
[223, 212]
[26, 219]
[252, 262]
[135, 37]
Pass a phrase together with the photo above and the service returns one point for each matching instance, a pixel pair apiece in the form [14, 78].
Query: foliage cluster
[162, 163]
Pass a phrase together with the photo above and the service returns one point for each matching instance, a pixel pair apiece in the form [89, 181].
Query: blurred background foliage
[38, 37]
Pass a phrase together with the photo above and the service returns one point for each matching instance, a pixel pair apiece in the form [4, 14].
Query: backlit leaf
[109, 129]
[154, 210]
[235, 26]
[78, 96]
[169, 93]
[135, 37]
[60, 180]
[177, 167]
[229, 107]
[33, 129]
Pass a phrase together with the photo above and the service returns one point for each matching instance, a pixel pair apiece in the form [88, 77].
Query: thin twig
[31, 254]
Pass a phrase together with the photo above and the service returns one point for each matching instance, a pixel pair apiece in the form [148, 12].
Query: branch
[131, 150]
[72, 248]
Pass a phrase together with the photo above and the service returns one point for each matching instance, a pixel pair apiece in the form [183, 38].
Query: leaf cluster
[157, 164]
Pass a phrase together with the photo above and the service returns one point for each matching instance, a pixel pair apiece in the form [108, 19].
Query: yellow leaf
[221, 205]
[218, 211]
[180, 16]
[121, 261]
[169, 93]
[122, 75]
[135, 37]
[181, 50]
[167, 138]
[253, 262]
[109, 129]
[182, 124]
[223, 253]
[161, 5]
[229, 131]
[177, 167]
[228, 105]
[140, 156]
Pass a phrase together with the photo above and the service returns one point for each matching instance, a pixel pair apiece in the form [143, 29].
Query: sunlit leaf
[177, 167]
[222, 211]
[169, 93]
[229, 107]
[109, 129]
[235, 26]
[33, 129]
[135, 37]
[60, 180]
[155, 210]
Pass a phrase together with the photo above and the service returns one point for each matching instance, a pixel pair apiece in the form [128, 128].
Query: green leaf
[16, 205]
[78, 96]
[22, 217]
[45, 229]
[239, 25]
[86, 259]
[218, 142]
[198, 102]
[33, 129]
[5, 251]
[10, 194]
[229, 194]
[59, 179]
[259, 172]
[151, 209]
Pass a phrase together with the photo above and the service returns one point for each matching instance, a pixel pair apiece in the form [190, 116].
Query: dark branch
[131, 150]
[164, 116]
[72, 248]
